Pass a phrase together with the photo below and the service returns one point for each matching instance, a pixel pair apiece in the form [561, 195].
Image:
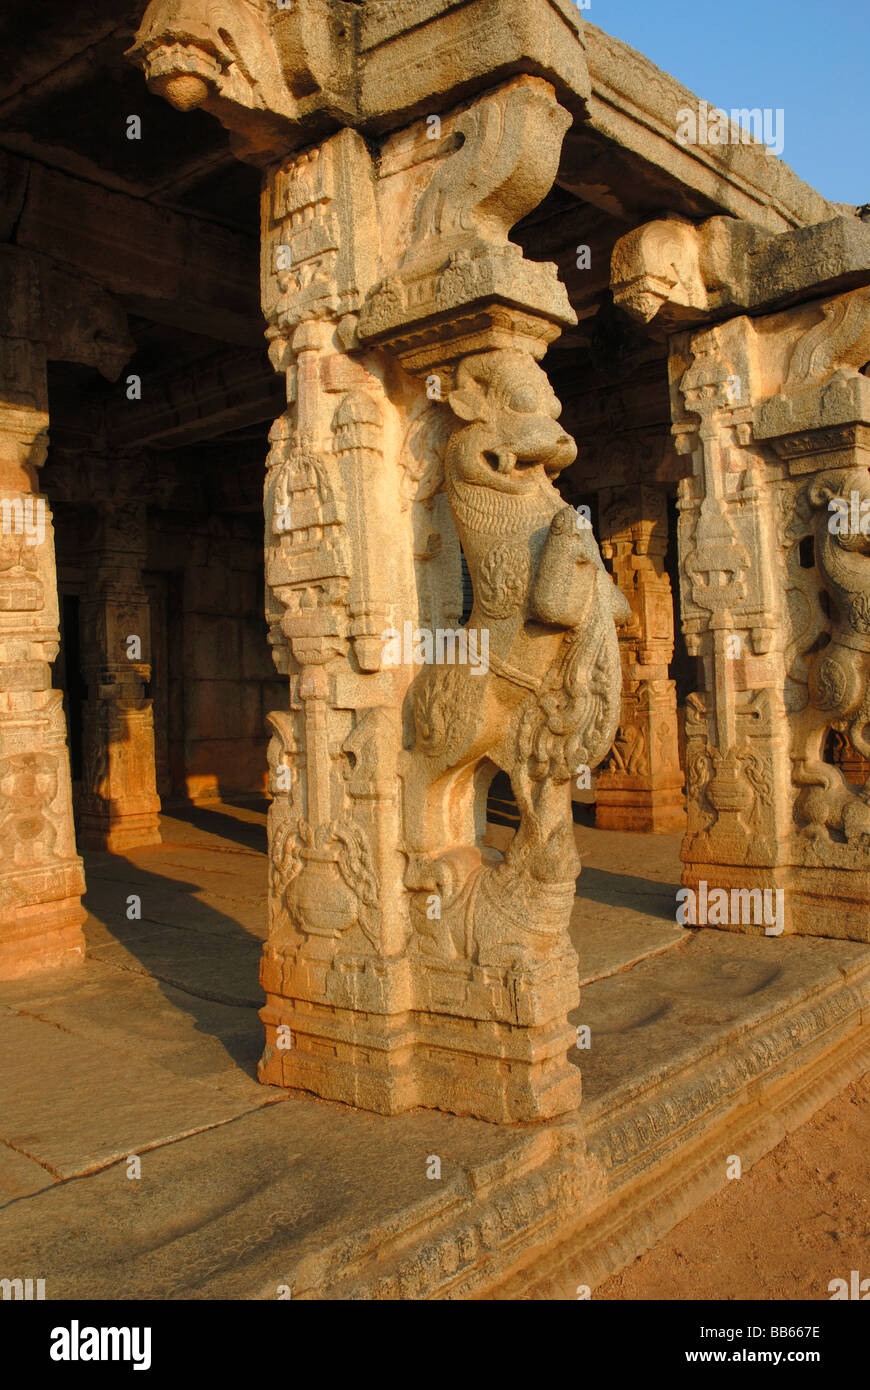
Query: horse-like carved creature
[547, 706]
[838, 677]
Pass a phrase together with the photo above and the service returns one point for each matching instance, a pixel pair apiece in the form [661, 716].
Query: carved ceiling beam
[202, 400]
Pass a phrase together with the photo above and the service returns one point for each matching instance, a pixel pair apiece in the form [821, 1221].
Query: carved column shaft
[640, 788]
[120, 806]
[41, 878]
[775, 572]
[338, 565]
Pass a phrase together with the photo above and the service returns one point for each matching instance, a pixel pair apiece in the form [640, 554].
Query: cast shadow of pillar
[204, 960]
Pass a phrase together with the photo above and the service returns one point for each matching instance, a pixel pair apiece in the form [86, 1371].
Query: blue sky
[810, 59]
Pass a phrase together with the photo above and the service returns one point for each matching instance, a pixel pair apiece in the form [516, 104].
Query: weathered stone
[119, 804]
[677, 273]
[40, 872]
[412, 963]
[245, 1192]
[641, 786]
[773, 557]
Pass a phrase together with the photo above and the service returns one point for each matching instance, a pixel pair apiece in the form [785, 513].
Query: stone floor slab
[75, 1104]
[20, 1176]
[703, 1044]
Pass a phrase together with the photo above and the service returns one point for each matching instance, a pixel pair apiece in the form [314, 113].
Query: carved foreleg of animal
[564, 589]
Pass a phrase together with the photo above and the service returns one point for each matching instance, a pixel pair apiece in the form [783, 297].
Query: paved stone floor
[150, 1050]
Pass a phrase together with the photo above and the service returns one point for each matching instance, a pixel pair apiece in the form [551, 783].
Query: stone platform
[703, 1046]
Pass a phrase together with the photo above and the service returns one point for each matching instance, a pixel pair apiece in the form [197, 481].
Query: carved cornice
[280, 76]
[675, 273]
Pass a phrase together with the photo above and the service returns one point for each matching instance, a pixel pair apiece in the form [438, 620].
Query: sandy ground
[797, 1219]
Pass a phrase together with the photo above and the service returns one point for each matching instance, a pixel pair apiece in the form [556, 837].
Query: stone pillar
[41, 878]
[119, 804]
[640, 787]
[775, 572]
[772, 411]
[406, 966]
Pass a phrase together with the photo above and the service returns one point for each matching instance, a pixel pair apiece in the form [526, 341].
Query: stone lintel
[672, 273]
[306, 71]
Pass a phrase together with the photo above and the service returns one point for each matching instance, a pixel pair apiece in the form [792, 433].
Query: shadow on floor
[647, 895]
[248, 834]
[205, 960]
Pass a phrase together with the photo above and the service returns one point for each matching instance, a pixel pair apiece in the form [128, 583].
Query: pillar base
[102, 832]
[484, 1058]
[656, 813]
[815, 902]
[44, 932]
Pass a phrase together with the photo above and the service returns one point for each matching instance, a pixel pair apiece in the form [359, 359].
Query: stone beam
[205, 398]
[281, 77]
[628, 159]
[171, 268]
[409, 68]
[671, 273]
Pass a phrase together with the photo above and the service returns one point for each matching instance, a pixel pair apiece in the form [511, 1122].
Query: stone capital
[460, 286]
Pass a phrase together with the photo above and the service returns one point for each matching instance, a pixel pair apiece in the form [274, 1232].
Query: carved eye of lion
[524, 400]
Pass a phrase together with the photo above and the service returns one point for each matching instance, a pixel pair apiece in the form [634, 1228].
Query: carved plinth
[495, 1042]
[336, 1025]
[466, 1042]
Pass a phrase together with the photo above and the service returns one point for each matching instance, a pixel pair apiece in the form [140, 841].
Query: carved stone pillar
[775, 569]
[41, 878]
[406, 964]
[119, 805]
[640, 787]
